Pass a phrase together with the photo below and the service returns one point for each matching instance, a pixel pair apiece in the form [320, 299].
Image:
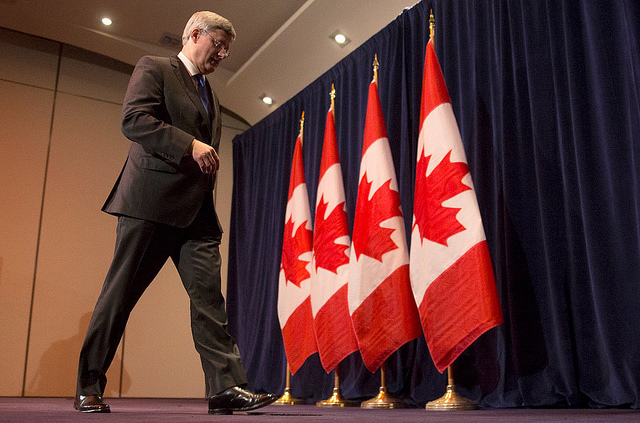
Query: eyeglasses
[219, 46]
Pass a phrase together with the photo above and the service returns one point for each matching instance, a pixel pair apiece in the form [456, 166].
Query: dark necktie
[202, 92]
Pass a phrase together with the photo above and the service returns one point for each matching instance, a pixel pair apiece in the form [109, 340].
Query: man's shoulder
[158, 61]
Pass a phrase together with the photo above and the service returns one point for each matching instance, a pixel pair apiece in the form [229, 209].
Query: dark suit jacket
[162, 114]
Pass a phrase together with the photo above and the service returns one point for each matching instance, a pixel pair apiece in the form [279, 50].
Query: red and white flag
[294, 302]
[451, 272]
[330, 263]
[381, 303]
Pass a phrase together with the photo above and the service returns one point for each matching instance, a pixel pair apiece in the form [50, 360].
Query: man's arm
[144, 114]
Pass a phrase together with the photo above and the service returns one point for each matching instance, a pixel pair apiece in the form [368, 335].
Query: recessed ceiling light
[266, 99]
[106, 21]
[339, 38]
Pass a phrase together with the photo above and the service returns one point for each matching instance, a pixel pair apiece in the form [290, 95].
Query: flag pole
[336, 399]
[287, 398]
[451, 400]
[383, 400]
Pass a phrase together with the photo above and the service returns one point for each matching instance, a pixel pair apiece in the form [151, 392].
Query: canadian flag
[294, 303]
[451, 272]
[330, 262]
[381, 303]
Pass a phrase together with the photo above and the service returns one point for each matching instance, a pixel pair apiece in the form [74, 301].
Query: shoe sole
[227, 411]
[105, 409]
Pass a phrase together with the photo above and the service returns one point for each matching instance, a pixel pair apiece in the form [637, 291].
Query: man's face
[210, 48]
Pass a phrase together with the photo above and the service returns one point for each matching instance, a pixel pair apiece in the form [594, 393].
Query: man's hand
[205, 156]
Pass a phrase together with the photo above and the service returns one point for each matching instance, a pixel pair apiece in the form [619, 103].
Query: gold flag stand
[451, 400]
[287, 398]
[336, 400]
[383, 400]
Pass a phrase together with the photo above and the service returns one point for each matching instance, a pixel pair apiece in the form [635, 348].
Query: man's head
[206, 40]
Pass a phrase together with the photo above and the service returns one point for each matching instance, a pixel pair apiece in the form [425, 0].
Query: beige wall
[60, 152]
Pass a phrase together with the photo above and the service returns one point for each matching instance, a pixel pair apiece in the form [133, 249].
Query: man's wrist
[190, 148]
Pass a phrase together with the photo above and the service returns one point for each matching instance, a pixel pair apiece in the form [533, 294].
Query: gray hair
[207, 21]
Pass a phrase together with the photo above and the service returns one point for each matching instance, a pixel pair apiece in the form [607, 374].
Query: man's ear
[196, 34]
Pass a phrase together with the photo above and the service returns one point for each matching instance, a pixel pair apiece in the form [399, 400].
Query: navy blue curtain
[547, 97]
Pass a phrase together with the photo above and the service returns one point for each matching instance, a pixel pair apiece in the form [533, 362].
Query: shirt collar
[191, 68]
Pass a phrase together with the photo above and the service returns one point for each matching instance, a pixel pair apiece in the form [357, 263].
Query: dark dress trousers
[165, 209]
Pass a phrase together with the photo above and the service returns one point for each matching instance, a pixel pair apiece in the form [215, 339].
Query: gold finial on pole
[302, 128]
[333, 96]
[376, 66]
[432, 26]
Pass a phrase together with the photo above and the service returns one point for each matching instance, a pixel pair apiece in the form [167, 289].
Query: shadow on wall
[58, 367]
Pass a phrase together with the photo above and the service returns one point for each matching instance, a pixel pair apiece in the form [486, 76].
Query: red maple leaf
[293, 247]
[435, 221]
[369, 237]
[329, 254]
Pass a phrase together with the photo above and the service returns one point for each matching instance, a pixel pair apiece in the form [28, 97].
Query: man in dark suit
[164, 203]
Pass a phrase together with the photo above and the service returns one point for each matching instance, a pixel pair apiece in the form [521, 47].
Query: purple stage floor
[37, 410]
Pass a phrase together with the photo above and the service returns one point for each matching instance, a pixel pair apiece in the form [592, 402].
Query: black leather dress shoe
[238, 399]
[90, 404]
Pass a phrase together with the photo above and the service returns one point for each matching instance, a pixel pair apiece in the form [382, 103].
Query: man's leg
[198, 263]
[140, 252]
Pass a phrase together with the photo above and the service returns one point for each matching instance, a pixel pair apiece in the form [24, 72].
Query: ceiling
[282, 45]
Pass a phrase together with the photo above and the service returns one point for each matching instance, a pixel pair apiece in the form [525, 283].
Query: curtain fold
[547, 98]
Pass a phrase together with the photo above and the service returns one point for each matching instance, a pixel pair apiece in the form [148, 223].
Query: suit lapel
[187, 83]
